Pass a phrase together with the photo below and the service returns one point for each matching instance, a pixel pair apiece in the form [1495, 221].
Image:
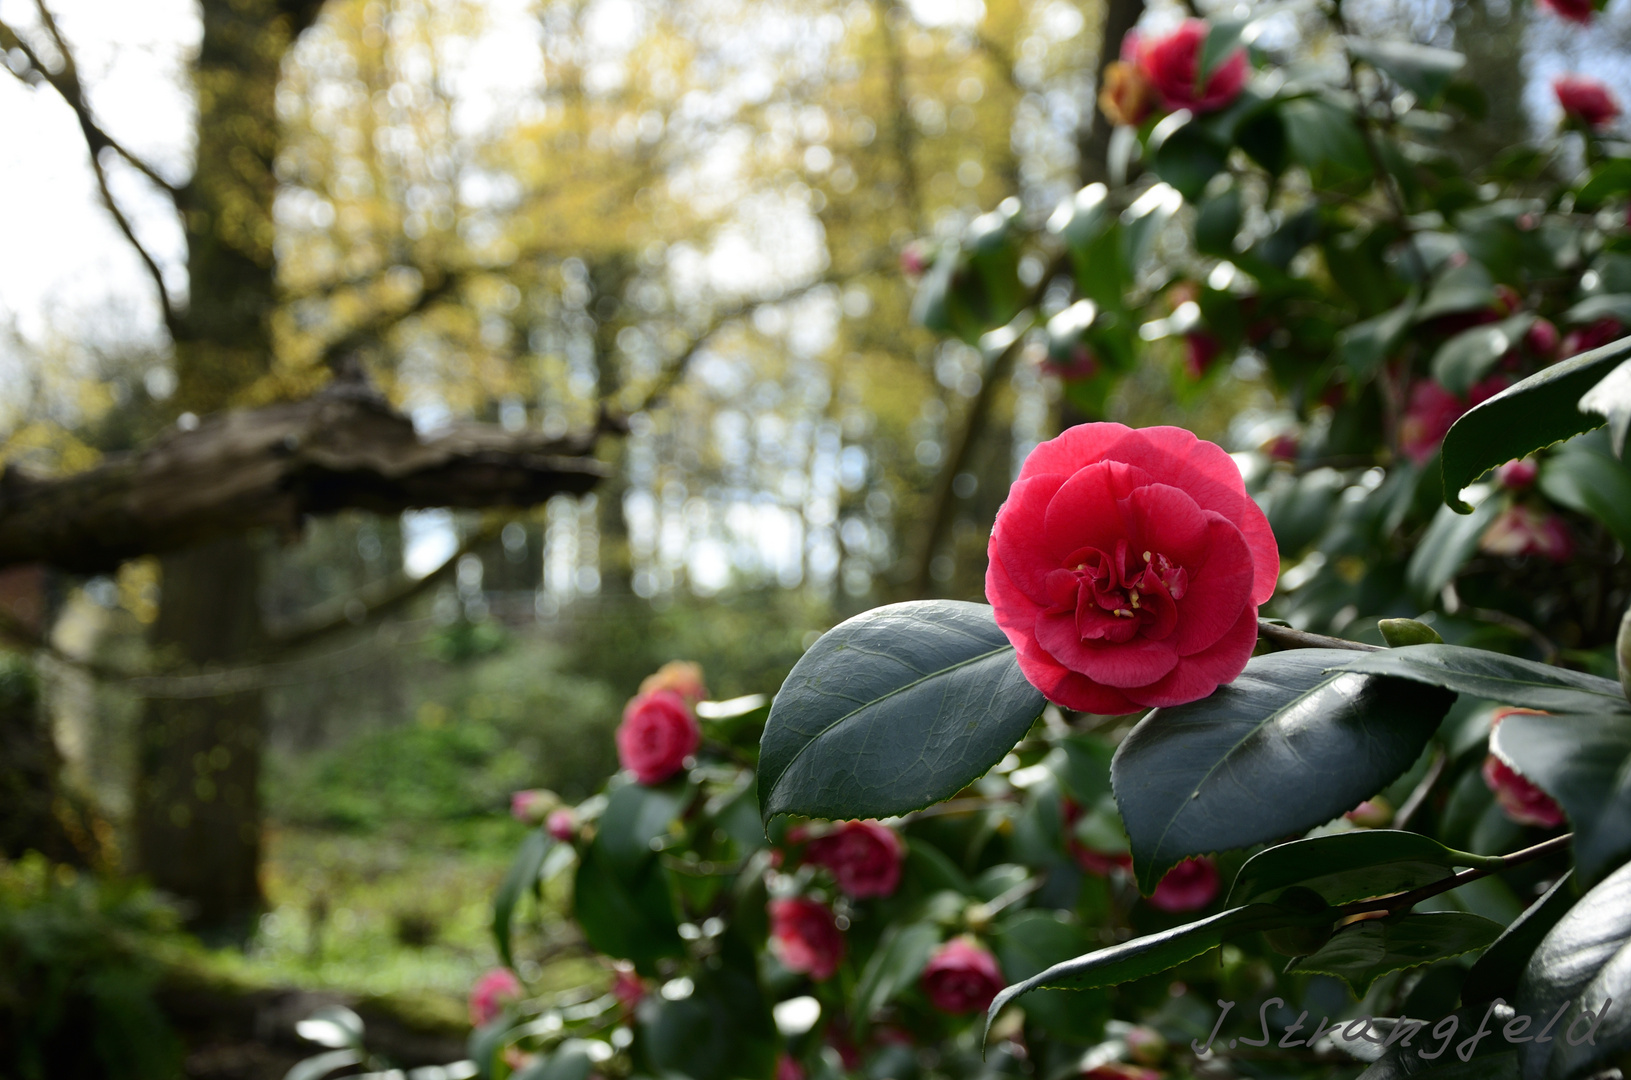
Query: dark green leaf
[1349, 866]
[569, 1061]
[1494, 677]
[1186, 158]
[635, 817]
[1365, 951]
[1029, 943]
[1222, 39]
[897, 708]
[1420, 69]
[893, 966]
[1496, 973]
[1363, 346]
[1611, 399]
[1535, 413]
[1398, 633]
[1471, 354]
[1584, 762]
[1585, 477]
[1463, 287]
[322, 1064]
[521, 876]
[722, 1030]
[1143, 221]
[1212, 774]
[1451, 539]
[1581, 965]
[1218, 222]
[1086, 771]
[1322, 134]
[1616, 306]
[630, 917]
[1492, 1058]
[1609, 178]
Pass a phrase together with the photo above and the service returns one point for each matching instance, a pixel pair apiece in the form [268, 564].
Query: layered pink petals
[1127, 566]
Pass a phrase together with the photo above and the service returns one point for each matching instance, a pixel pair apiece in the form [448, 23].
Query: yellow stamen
[1146, 556]
[1123, 613]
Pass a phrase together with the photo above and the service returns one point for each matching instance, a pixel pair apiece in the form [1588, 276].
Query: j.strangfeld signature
[1401, 1031]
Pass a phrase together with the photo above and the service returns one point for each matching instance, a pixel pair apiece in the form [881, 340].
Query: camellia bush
[1309, 759]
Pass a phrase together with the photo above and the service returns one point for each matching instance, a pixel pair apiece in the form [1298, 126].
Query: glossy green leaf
[1143, 221]
[1187, 158]
[1535, 413]
[1364, 951]
[1584, 762]
[521, 876]
[1465, 286]
[1616, 306]
[1217, 222]
[1472, 354]
[720, 1031]
[1420, 69]
[1363, 346]
[1586, 477]
[1028, 943]
[1582, 965]
[1213, 774]
[1496, 973]
[1493, 677]
[1608, 178]
[1323, 135]
[1611, 399]
[1349, 866]
[897, 708]
[1450, 541]
[638, 816]
[894, 965]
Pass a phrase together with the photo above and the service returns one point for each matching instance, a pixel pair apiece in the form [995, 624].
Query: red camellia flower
[657, 734]
[1541, 338]
[864, 857]
[1126, 568]
[1522, 801]
[1591, 336]
[1579, 11]
[1189, 886]
[628, 988]
[1200, 350]
[1433, 410]
[961, 977]
[1172, 64]
[805, 937]
[1522, 530]
[788, 1068]
[491, 993]
[1586, 100]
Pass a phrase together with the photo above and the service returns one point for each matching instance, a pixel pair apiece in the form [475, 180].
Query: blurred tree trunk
[198, 812]
[37, 813]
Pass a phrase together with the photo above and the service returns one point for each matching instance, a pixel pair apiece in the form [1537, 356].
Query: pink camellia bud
[658, 733]
[1522, 801]
[1522, 530]
[864, 857]
[628, 988]
[1145, 1045]
[914, 260]
[1517, 474]
[531, 807]
[684, 677]
[805, 937]
[787, 1068]
[491, 994]
[1586, 99]
[1541, 338]
[1189, 886]
[563, 825]
[1283, 448]
[1579, 11]
[1172, 63]
[1371, 814]
[961, 977]
[1200, 352]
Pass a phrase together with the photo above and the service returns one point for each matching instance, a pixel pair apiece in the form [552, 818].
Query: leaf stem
[1285, 637]
[1406, 900]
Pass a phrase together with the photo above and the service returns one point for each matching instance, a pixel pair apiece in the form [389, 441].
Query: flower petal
[1017, 532]
[1086, 511]
[1219, 589]
[1074, 447]
[1165, 519]
[1199, 675]
[1136, 662]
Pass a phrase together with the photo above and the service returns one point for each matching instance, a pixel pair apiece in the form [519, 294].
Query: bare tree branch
[343, 448]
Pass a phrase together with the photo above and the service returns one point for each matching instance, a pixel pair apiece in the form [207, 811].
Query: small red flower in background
[1522, 530]
[1371, 814]
[1145, 1045]
[1586, 99]
[1189, 886]
[1541, 338]
[1201, 351]
[1097, 863]
[1433, 410]
[1120, 1070]
[563, 825]
[1172, 64]
[657, 734]
[1126, 568]
[864, 857]
[1128, 96]
[491, 993]
[1579, 11]
[530, 807]
[961, 977]
[1522, 801]
[788, 1069]
[1081, 365]
[1517, 474]
[805, 937]
[627, 988]
[684, 677]
[914, 259]
[1591, 336]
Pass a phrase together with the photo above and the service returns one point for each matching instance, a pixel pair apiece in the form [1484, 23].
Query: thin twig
[1287, 638]
[1406, 900]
